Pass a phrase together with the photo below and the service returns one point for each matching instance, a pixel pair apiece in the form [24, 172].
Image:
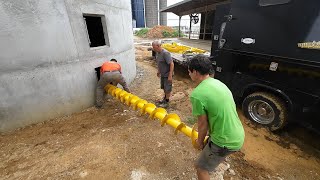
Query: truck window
[272, 2]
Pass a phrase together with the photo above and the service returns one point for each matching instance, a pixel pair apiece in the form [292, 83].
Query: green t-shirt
[214, 99]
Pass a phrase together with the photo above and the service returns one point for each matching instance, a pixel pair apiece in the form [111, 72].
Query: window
[272, 2]
[96, 30]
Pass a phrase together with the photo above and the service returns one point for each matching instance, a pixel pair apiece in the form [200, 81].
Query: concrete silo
[49, 52]
[152, 13]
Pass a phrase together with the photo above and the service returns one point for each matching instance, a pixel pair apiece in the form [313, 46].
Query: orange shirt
[110, 66]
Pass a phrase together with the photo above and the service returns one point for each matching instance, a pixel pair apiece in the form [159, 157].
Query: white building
[48, 52]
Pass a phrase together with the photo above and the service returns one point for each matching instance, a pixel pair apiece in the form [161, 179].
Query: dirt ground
[116, 143]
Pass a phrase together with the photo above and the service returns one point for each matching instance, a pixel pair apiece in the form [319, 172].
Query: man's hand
[170, 78]
[149, 49]
[200, 145]
[158, 74]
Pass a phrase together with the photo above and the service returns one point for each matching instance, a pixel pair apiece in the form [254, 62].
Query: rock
[188, 91]
[83, 174]
[216, 176]
[294, 147]
[177, 96]
[137, 175]
[223, 166]
[159, 144]
[231, 172]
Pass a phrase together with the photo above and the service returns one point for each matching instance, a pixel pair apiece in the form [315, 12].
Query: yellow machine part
[154, 113]
[181, 49]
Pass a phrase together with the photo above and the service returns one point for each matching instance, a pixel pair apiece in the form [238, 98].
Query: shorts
[166, 85]
[211, 156]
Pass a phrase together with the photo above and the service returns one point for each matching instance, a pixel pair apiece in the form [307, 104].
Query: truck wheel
[266, 109]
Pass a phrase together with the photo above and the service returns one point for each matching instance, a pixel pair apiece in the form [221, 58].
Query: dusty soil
[116, 143]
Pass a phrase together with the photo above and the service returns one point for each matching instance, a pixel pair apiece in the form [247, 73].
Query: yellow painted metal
[154, 113]
[181, 49]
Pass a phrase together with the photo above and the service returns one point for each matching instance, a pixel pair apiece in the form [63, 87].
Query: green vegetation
[166, 34]
[175, 33]
[142, 32]
[158, 32]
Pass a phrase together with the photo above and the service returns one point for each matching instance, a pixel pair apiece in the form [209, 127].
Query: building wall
[47, 65]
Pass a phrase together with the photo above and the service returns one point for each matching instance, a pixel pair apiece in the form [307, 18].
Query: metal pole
[179, 26]
[205, 24]
[144, 14]
[190, 28]
[158, 12]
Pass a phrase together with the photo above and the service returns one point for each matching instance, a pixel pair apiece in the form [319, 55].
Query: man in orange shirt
[110, 72]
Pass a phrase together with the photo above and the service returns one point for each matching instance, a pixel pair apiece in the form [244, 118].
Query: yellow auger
[154, 113]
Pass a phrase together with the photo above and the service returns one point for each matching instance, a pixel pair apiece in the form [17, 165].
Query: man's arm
[123, 83]
[171, 71]
[101, 72]
[169, 60]
[202, 130]
[120, 69]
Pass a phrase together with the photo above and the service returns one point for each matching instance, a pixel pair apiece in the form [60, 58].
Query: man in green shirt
[213, 105]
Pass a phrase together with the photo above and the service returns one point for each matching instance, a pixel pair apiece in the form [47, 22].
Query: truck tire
[266, 109]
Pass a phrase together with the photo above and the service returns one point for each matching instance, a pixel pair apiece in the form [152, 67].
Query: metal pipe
[190, 27]
[154, 113]
[179, 26]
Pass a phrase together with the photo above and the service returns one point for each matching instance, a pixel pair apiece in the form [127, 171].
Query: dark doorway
[95, 31]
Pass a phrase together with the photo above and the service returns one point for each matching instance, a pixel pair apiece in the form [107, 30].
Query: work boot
[158, 102]
[164, 104]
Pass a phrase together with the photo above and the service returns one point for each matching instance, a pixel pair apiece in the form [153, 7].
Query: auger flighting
[154, 113]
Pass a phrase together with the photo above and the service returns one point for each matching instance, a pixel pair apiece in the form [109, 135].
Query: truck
[268, 53]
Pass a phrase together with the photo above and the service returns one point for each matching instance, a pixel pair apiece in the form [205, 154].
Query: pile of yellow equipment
[181, 49]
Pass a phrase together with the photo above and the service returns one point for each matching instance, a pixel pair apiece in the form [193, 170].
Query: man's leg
[167, 89]
[160, 101]
[167, 96]
[210, 157]
[100, 89]
[123, 83]
[99, 96]
[202, 174]
[116, 78]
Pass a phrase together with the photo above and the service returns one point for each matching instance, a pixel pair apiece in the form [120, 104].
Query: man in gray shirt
[165, 71]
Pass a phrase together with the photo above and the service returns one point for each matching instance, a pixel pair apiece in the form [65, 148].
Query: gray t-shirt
[164, 60]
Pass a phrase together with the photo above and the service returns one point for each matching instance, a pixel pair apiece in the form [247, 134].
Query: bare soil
[117, 143]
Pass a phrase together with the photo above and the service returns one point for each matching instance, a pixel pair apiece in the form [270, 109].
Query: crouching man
[110, 72]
